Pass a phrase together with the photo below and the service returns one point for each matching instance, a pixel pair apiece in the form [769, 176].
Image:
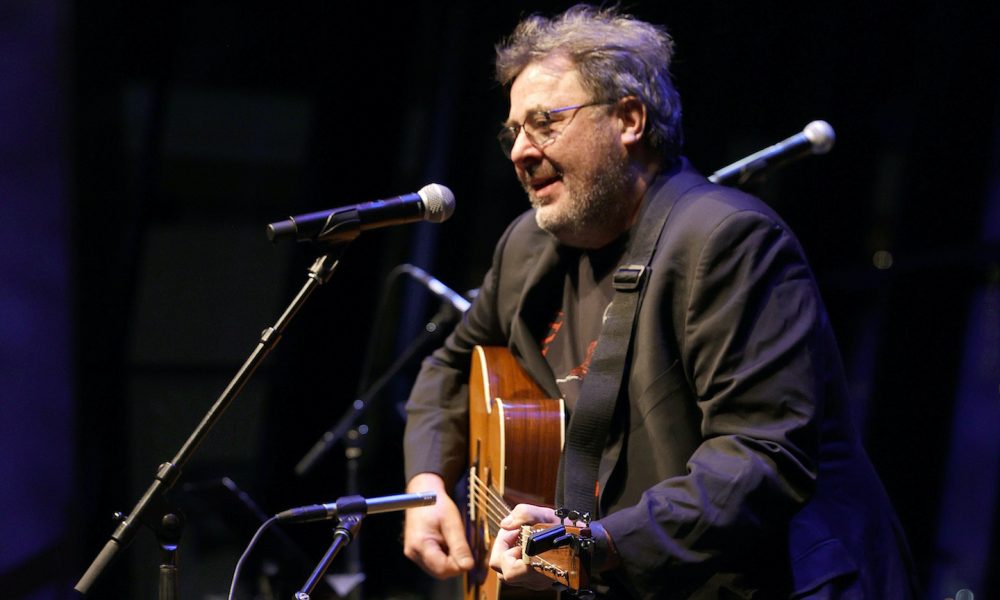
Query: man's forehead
[543, 82]
[553, 66]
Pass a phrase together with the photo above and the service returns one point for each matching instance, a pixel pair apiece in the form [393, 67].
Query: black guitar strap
[590, 423]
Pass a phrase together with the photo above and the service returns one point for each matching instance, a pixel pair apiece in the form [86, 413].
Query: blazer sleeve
[749, 324]
[437, 425]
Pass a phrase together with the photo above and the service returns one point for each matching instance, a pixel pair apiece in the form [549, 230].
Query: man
[728, 465]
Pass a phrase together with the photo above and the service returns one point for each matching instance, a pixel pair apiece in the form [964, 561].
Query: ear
[632, 119]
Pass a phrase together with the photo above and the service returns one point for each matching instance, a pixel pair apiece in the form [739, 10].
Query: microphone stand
[349, 511]
[432, 330]
[169, 472]
[346, 428]
[347, 528]
[169, 536]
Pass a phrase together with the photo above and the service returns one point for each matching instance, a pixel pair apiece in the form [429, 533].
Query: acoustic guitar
[516, 435]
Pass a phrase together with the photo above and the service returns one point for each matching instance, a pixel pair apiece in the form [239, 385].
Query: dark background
[146, 145]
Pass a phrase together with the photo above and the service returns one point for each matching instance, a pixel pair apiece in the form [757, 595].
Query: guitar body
[515, 439]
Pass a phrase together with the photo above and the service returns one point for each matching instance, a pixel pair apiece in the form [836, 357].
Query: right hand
[434, 536]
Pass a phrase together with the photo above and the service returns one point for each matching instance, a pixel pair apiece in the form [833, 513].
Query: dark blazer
[733, 468]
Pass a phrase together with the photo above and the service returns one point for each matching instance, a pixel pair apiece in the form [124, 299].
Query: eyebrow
[535, 109]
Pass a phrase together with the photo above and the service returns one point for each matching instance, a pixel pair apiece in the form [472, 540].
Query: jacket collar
[543, 286]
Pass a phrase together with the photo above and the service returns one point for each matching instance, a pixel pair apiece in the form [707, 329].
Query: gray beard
[593, 212]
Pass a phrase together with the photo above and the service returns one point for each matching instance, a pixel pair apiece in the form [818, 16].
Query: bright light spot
[882, 259]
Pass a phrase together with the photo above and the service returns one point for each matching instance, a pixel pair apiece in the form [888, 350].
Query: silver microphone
[434, 203]
[818, 137]
[356, 504]
[436, 287]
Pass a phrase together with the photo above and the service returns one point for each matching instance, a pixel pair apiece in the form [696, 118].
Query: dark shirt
[572, 335]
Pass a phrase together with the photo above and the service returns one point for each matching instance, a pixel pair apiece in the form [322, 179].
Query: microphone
[356, 504]
[437, 288]
[434, 203]
[817, 138]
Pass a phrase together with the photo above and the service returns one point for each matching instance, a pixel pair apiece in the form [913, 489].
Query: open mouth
[541, 185]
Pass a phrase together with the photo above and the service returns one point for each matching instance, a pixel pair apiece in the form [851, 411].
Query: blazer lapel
[540, 297]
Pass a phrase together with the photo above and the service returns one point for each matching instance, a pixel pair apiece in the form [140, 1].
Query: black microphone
[433, 203]
[437, 288]
[817, 138]
[356, 504]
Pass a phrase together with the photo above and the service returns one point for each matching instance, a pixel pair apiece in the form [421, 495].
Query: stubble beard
[593, 211]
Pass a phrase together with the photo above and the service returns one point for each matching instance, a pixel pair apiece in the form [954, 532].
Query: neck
[600, 217]
[646, 173]
[643, 175]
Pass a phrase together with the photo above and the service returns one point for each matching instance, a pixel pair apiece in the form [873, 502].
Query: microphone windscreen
[820, 134]
[439, 202]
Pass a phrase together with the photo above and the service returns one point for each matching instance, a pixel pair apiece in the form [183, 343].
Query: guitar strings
[547, 563]
[560, 575]
[482, 490]
[490, 503]
[495, 505]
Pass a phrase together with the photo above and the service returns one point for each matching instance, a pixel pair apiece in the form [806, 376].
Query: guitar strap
[590, 424]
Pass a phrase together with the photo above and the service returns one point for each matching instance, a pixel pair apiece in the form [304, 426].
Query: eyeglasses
[539, 127]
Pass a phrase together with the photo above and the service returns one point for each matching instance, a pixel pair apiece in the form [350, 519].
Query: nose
[524, 152]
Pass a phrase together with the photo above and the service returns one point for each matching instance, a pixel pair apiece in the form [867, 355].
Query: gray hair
[615, 54]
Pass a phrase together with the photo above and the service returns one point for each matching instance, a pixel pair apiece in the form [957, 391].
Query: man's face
[578, 183]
